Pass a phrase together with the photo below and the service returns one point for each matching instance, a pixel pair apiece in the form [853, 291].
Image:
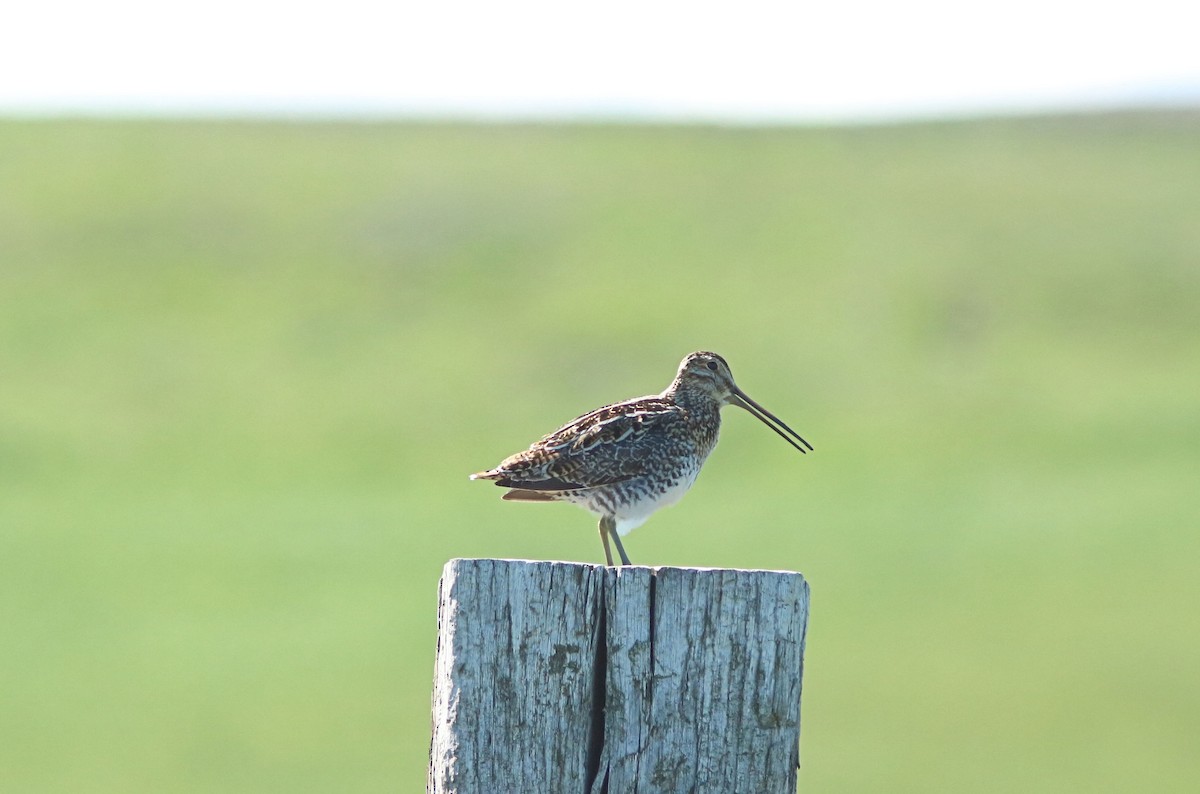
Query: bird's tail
[522, 495]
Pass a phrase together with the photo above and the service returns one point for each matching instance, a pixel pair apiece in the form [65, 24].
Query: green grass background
[245, 368]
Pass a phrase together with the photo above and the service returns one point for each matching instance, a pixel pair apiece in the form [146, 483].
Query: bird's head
[707, 375]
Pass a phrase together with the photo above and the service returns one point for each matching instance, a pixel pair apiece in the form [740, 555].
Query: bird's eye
[712, 365]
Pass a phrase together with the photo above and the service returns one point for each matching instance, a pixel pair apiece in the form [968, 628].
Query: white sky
[740, 60]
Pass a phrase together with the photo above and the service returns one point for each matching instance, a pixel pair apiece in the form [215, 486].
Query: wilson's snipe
[628, 459]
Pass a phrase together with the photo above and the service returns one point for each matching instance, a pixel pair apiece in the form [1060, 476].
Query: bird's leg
[612, 528]
[605, 527]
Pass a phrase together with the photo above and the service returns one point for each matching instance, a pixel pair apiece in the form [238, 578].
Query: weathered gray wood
[515, 676]
[577, 678]
[704, 680]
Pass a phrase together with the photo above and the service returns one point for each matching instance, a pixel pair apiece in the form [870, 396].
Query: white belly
[632, 516]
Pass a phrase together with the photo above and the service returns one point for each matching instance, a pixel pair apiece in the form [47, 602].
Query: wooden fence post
[561, 677]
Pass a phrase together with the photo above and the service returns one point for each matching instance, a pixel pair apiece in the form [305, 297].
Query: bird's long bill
[742, 400]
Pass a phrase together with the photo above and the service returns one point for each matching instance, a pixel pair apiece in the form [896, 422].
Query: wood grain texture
[515, 676]
[578, 678]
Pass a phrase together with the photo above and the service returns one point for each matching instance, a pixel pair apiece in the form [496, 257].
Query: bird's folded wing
[621, 423]
[592, 451]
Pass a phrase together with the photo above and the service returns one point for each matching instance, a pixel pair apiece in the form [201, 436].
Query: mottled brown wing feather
[592, 450]
[548, 484]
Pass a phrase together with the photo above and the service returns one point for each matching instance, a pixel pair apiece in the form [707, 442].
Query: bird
[626, 460]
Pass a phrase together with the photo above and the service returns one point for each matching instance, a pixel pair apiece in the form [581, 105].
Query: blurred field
[245, 369]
